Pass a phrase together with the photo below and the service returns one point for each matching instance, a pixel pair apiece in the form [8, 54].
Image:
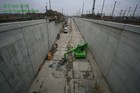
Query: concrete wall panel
[116, 49]
[23, 48]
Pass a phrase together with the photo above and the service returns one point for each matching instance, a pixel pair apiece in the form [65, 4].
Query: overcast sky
[71, 7]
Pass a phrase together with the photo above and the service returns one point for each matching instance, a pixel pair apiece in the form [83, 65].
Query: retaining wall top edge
[128, 27]
[17, 25]
[22, 22]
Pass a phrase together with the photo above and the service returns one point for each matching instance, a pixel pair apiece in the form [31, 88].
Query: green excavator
[79, 52]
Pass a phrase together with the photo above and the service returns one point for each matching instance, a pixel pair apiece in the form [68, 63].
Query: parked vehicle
[65, 29]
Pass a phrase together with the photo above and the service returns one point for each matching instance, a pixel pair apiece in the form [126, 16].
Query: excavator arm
[79, 52]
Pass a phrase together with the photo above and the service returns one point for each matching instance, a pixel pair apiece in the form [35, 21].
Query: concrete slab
[58, 55]
[53, 85]
[83, 75]
[81, 86]
[81, 66]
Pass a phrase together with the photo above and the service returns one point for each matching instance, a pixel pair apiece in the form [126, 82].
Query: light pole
[135, 10]
[93, 6]
[102, 7]
[83, 8]
[62, 10]
[46, 7]
[50, 4]
[121, 13]
[114, 8]
[124, 12]
[128, 11]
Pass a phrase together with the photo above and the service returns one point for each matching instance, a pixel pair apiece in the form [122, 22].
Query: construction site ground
[76, 75]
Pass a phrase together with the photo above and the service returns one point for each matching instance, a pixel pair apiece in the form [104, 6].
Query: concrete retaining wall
[116, 48]
[23, 47]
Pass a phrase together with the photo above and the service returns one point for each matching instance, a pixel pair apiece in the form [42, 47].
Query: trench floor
[76, 75]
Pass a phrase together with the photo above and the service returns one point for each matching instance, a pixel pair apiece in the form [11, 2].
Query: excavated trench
[76, 75]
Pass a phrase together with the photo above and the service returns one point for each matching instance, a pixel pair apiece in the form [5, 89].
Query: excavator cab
[79, 51]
